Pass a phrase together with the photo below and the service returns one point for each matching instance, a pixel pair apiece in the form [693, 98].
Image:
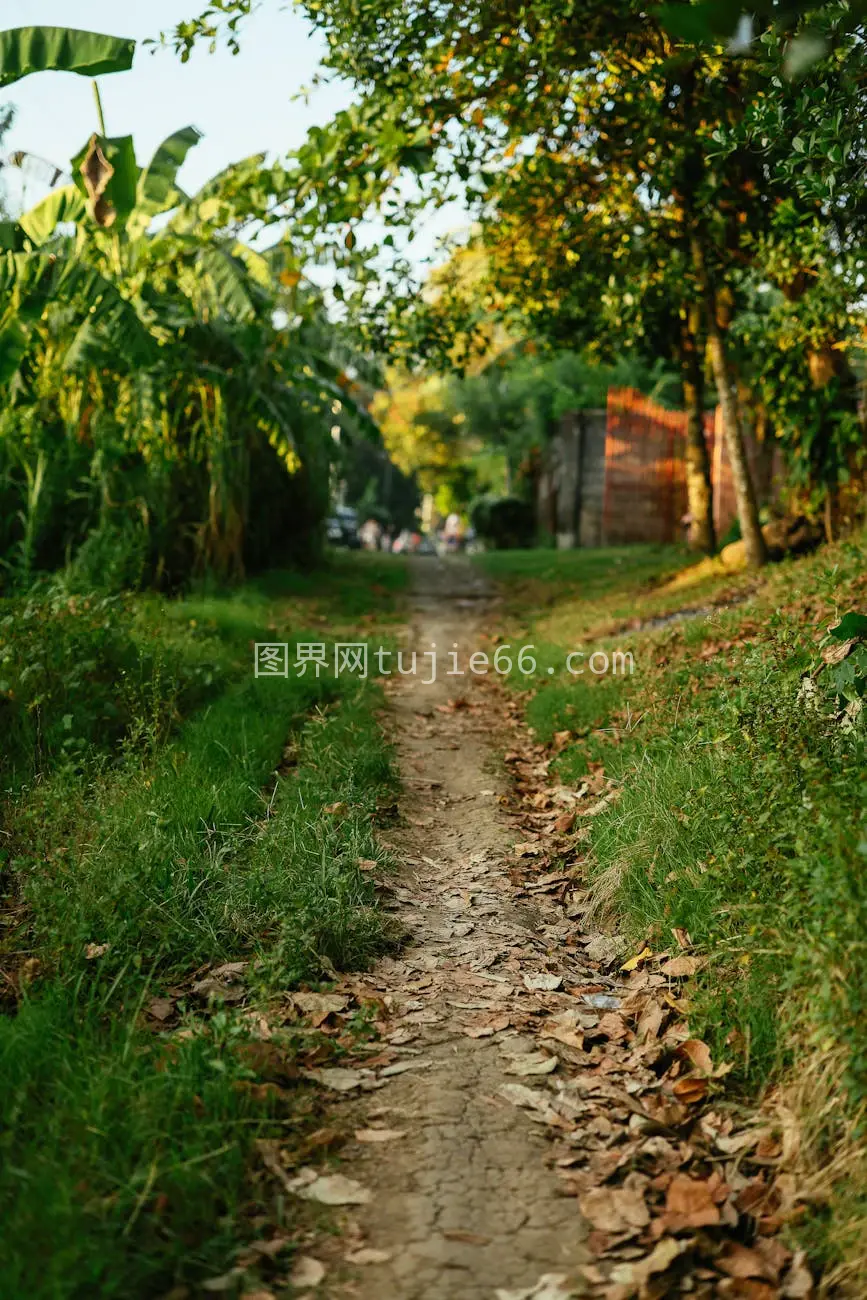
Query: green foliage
[505, 523]
[125, 1151]
[172, 384]
[25, 50]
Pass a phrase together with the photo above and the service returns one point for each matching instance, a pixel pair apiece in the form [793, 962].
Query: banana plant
[25, 50]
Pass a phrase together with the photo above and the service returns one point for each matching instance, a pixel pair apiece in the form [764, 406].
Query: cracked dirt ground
[463, 1204]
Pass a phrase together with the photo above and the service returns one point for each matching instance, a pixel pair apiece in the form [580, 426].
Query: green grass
[219, 823]
[584, 595]
[743, 820]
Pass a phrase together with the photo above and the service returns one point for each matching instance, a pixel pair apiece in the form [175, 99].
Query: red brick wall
[645, 479]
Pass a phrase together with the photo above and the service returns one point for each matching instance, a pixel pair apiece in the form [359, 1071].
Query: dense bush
[503, 522]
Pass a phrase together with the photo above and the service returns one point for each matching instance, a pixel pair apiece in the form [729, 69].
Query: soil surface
[463, 1204]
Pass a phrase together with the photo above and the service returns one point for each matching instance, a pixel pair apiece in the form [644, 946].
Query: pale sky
[243, 104]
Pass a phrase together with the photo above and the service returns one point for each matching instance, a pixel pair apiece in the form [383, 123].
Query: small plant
[841, 673]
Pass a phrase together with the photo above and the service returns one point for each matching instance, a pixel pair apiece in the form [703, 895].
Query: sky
[244, 103]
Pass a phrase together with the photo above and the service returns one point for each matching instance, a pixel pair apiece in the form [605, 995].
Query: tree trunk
[748, 512]
[699, 493]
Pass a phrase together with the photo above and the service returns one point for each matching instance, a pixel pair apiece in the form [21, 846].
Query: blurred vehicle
[341, 528]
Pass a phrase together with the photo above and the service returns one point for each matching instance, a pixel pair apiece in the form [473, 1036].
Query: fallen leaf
[835, 654]
[226, 1281]
[337, 1079]
[679, 967]
[552, 1286]
[601, 1001]
[532, 1063]
[650, 1021]
[690, 1203]
[230, 970]
[161, 1008]
[615, 1209]
[95, 950]
[319, 1006]
[307, 1273]
[563, 1034]
[698, 1053]
[270, 1249]
[379, 1134]
[333, 1189]
[564, 822]
[469, 1238]
[529, 1098]
[367, 864]
[740, 1261]
[336, 809]
[635, 962]
[368, 1255]
[746, 1289]
[690, 1091]
[611, 1026]
[798, 1284]
[545, 982]
[486, 1026]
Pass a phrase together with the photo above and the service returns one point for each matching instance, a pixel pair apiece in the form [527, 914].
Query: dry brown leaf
[317, 1007]
[564, 822]
[562, 1034]
[330, 1189]
[368, 1255]
[611, 1026]
[835, 654]
[307, 1273]
[532, 1063]
[689, 1203]
[379, 1134]
[747, 1289]
[270, 1249]
[527, 850]
[615, 1209]
[690, 1091]
[740, 1261]
[469, 1238]
[650, 1020]
[636, 1273]
[544, 982]
[698, 1053]
[679, 967]
[484, 1027]
[798, 1284]
[161, 1008]
[337, 1078]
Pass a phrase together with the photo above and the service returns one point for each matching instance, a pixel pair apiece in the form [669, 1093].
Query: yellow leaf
[635, 962]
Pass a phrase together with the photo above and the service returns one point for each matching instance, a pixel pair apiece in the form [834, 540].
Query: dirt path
[527, 1080]
[463, 1204]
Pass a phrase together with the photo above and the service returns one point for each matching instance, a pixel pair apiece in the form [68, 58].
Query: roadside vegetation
[180, 848]
[737, 753]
